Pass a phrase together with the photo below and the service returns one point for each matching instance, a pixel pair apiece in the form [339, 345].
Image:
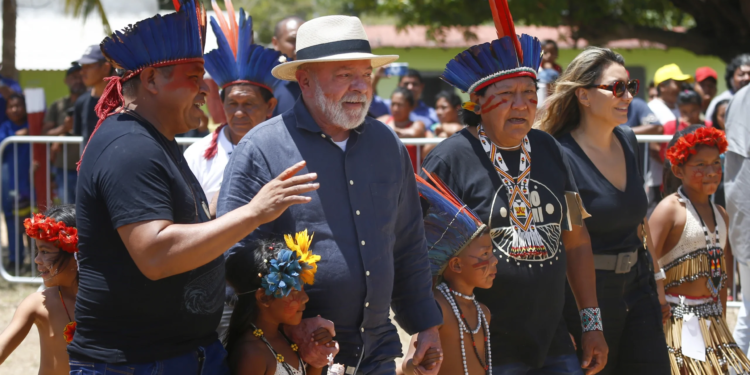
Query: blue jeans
[60, 182]
[560, 365]
[208, 360]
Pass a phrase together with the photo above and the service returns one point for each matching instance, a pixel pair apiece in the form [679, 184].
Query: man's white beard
[337, 115]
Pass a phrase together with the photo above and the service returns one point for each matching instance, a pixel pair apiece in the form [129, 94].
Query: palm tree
[9, 40]
[82, 8]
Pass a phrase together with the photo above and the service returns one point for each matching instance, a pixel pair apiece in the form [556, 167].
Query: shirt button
[357, 212]
[367, 273]
[367, 304]
[362, 329]
[322, 135]
[363, 243]
[351, 182]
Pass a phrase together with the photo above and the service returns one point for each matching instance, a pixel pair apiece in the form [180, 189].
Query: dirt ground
[25, 359]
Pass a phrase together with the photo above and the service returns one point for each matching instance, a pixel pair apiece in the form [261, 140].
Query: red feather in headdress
[504, 24]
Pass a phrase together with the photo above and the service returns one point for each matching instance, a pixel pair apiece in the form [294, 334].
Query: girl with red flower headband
[53, 309]
[690, 235]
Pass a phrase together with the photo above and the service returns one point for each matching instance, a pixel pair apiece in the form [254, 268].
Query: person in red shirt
[690, 104]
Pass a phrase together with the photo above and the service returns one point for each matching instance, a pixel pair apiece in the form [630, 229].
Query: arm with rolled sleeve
[245, 174]
[412, 299]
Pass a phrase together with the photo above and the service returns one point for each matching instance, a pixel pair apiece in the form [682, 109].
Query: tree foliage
[82, 8]
[706, 27]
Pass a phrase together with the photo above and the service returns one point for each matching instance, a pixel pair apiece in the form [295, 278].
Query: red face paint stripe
[481, 264]
[489, 106]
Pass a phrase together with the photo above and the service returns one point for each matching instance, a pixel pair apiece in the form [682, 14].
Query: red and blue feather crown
[508, 56]
[449, 224]
[238, 60]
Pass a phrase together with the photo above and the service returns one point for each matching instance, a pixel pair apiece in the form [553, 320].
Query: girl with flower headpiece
[690, 236]
[269, 287]
[52, 310]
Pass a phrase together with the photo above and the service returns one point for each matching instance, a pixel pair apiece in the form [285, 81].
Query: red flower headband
[685, 146]
[48, 229]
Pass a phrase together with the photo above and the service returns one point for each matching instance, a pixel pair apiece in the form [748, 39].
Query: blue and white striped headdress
[238, 60]
[159, 41]
[508, 56]
[449, 224]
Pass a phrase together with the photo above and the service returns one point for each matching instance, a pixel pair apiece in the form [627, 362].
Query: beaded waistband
[702, 308]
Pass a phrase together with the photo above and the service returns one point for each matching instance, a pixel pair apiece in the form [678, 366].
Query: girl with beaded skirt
[690, 235]
[269, 288]
[460, 252]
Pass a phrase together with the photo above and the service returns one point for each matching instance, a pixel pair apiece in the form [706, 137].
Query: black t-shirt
[132, 173]
[624, 210]
[84, 116]
[526, 299]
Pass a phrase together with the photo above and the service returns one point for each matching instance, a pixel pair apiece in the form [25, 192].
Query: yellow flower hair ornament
[300, 244]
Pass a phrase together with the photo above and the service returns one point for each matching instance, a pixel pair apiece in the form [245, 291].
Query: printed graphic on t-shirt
[203, 295]
[547, 211]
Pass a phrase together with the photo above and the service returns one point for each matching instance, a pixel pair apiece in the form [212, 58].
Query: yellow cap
[671, 71]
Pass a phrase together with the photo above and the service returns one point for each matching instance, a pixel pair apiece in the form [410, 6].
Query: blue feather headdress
[508, 56]
[160, 40]
[177, 38]
[238, 60]
[449, 224]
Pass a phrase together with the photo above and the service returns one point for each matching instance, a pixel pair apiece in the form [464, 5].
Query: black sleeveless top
[615, 214]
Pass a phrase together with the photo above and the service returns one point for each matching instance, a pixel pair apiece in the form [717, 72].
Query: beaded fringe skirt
[722, 352]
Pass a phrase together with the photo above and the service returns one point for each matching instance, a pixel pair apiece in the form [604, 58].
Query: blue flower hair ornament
[293, 266]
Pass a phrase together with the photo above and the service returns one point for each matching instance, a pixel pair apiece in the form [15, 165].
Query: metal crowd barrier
[48, 196]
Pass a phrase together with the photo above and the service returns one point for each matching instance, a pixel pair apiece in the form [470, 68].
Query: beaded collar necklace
[257, 332]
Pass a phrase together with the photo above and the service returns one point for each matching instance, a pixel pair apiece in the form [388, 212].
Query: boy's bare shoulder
[486, 311]
[445, 306]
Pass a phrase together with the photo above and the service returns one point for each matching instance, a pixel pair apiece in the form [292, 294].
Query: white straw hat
[331, 38]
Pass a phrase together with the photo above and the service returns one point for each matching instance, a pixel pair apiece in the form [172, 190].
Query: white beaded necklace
[463, 327]
[464, 296]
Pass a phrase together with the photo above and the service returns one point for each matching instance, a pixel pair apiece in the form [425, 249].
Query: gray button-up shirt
[367, 222]
[737, 174]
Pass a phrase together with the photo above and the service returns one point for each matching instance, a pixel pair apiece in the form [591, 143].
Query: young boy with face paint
[460, 251]
[51, 310]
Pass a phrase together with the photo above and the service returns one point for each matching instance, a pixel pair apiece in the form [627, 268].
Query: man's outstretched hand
[314, 336]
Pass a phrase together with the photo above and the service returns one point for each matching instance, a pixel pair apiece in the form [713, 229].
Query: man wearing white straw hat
[366, 216]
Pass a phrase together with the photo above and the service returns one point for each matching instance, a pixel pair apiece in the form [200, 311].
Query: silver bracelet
[660, 275]
[591, 319]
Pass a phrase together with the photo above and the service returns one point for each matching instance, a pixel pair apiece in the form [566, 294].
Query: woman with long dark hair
[591, 99]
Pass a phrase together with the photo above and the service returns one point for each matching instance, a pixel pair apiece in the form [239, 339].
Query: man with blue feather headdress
[152, 281]
[242, 70]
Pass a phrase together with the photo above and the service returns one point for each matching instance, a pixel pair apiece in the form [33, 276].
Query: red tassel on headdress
[176, 5]
[110, 100]
[441, 188]
[504, 24]
[213, 148]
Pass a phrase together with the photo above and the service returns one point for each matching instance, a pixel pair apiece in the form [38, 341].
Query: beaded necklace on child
[463, 326]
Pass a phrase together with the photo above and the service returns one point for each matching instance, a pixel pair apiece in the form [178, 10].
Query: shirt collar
[305, 120]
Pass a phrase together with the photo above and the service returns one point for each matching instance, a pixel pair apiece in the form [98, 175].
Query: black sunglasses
[618, 87]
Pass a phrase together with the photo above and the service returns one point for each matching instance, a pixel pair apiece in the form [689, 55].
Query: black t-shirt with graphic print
[132, 173]
[527, 296]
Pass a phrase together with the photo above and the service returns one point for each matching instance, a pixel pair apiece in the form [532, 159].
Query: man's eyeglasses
[618, 87]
